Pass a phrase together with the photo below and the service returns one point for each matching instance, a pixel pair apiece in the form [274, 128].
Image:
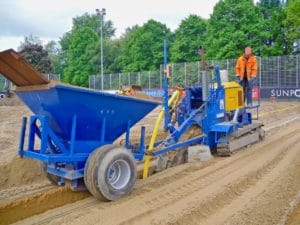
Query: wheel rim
[118, 174]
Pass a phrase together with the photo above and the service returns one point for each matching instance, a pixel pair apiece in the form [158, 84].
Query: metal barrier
[275, 72]
[6, 84]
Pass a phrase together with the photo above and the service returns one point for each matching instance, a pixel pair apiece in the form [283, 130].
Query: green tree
[111, 47]
[112, 62]
[55, 55]
[142, 47]
[82, 56]
[189, 36]
[272, 36]
[93, 21]
[34, 53]
[233, 25]
[292, 23]
[33, 40]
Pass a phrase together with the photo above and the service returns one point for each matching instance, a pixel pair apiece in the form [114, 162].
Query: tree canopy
[272, 35]
[189, 36]
[292, 24]
[232, 26]
[82, 56]
[270, 27]
[142, 47]
[93, 21]
[34, 53]
[55, 55]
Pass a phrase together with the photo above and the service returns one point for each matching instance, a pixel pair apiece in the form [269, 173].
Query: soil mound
[20, 171]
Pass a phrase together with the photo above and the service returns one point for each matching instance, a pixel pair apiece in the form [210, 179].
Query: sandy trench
[245, 189]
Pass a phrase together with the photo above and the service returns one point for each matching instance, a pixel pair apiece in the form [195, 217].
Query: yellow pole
[151, 144]
[154, 134]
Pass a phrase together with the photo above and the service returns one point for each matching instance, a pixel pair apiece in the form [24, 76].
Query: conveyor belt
[18, 71]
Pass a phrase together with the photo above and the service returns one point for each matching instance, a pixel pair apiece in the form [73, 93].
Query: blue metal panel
[222, 127]
[63, 172]
[60, 103]
[51, 158]
[71, 122]
[215, 109]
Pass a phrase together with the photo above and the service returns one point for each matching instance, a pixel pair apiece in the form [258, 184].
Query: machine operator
[246, 71]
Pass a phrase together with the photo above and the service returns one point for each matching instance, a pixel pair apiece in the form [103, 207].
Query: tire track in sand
[205, 201]
[183, 190]
[259, 198]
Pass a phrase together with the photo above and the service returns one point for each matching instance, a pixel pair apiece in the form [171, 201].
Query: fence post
[212, 71]
[94, 81]
[172, 69]
[227, 66]
[128, 78]
[260, 75]
[149, 78]
[139, 77]
[185, 81]
[110, 81]
[119, 80]
[198, 72]
[297, 71]
[278, 77]
[160, 76]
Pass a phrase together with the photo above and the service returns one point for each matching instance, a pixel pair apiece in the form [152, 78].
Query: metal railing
[52, 76]
[278, 71]
[5, 83]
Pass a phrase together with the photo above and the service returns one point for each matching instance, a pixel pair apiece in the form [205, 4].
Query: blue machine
[71, 122]
[218, 110]
[72, 130]
[210, 115]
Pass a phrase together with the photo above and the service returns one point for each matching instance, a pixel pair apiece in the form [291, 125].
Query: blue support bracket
[51, 149]
[64, 172]
[183, 144]
[142, 142]
[73, 135]
[22, 136]
[127, 138]
[103, 130]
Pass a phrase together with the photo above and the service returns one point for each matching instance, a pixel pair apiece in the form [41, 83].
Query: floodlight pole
[101, 15]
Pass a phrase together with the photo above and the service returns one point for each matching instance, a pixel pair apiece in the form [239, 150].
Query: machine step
[244, 130]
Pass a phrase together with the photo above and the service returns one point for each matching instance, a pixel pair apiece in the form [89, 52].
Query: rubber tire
[88, 170]
[96, 170]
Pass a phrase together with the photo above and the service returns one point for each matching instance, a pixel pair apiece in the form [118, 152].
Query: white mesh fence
[279, 71]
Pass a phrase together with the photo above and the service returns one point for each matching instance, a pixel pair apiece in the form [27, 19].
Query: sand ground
[254, 186]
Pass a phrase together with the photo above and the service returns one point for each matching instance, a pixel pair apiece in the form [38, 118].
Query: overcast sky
[49, 19]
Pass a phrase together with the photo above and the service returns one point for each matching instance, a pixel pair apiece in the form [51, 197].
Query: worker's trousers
[247, 87]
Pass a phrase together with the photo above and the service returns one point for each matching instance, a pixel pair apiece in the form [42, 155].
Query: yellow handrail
[174, 98]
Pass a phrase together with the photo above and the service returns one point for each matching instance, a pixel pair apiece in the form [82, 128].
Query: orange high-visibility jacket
[250, 65]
